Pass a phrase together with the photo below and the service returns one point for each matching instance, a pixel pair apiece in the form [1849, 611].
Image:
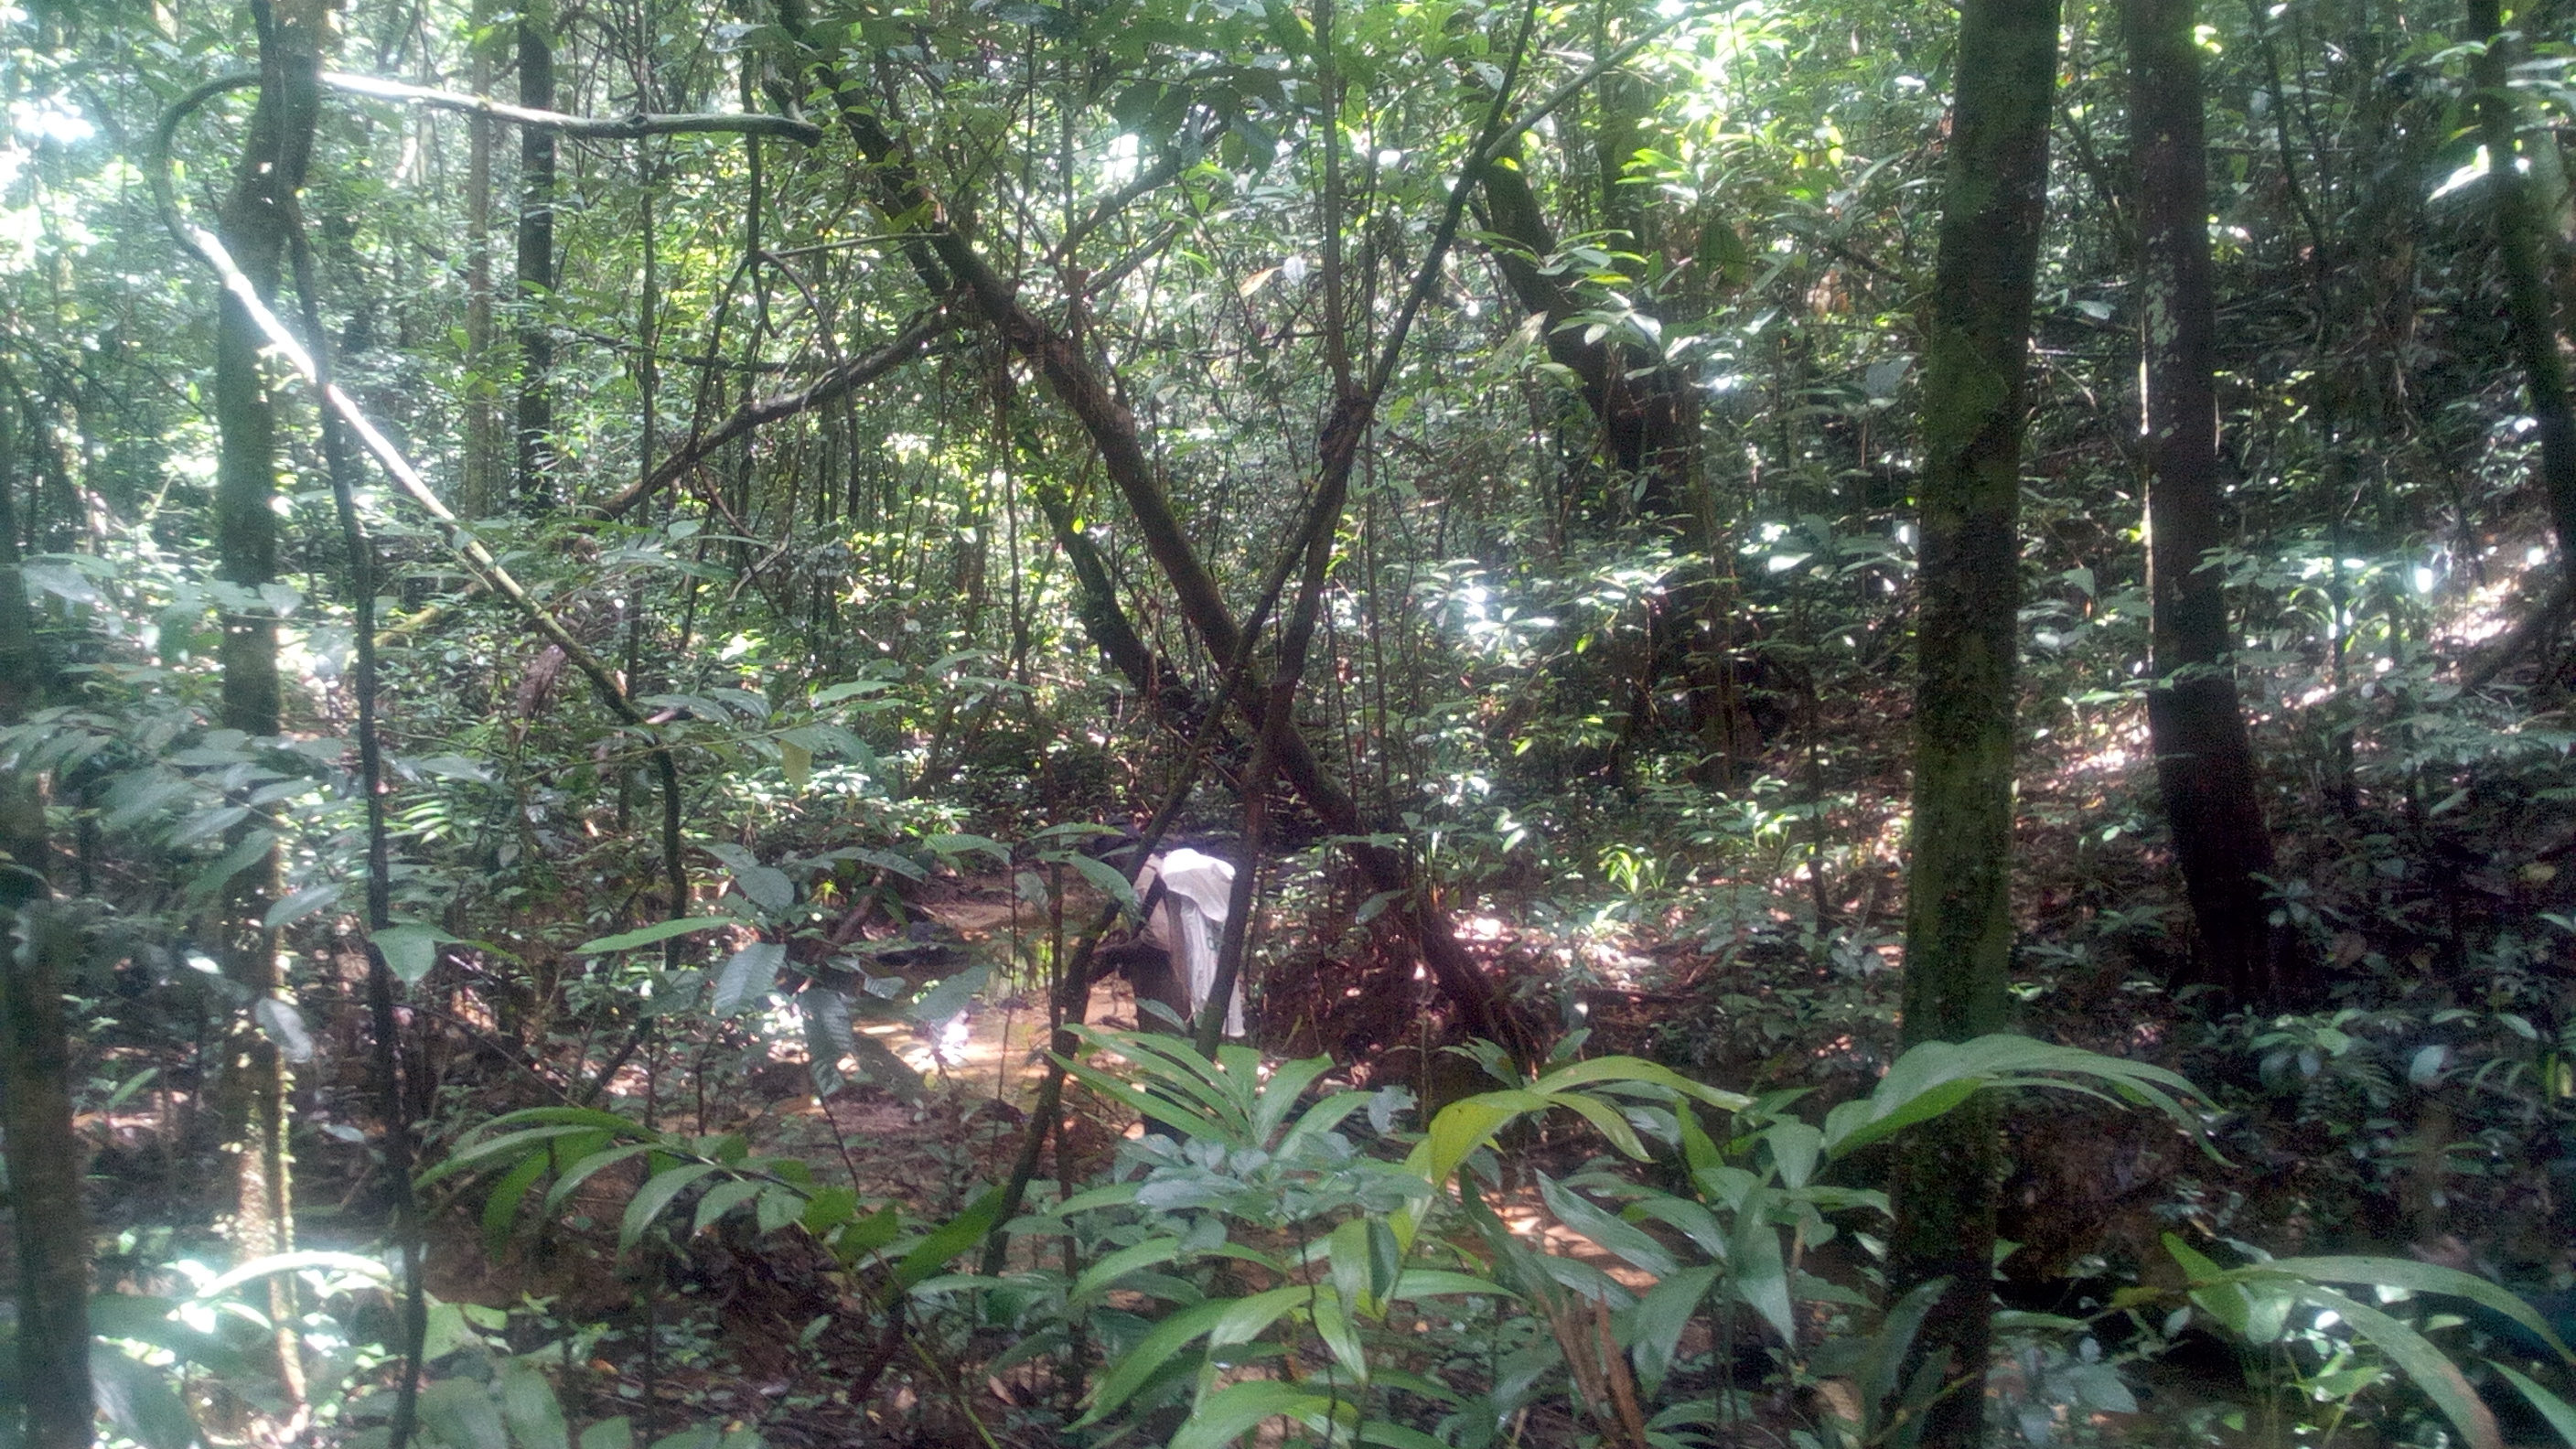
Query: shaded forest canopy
[1870, 703]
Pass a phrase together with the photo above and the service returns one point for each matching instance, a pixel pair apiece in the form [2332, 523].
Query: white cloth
[1189, 921]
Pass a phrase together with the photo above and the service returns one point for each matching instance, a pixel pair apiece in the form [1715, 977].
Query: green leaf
[461, 1415]
[299, 905]
[1222, 1417]
[614, 1433]
[571, 1179]
[1615, 1234]
[950, 996]
[147, 1319]
[2436, 1375]
[1109, 881]
[1439, 1283]
[649, 935]
[501, 1205]
[952, 1238]
[1660, 1318]
[657, 1194]
[2422, 1278]
[139, 1400]
[765, 886]
[253, 849]
[745, 977]
[1637, 1069]
[1139, 1364]
[878, 1063]
[410, 950]
[961, 844]
[528, 1404]
[2560, 1414]
[1098, 1278]
[723, 1198]
[1761, 1272]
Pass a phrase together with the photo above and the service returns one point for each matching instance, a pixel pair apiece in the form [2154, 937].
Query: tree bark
[2521, 246]
[1648, 412]
[534, 472]
[477, 490]
[254, 226]
[2204, 758]
[44, 1153]
[1958, 930]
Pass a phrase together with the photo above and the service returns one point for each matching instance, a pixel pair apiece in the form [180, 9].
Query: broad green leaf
[1440, 1283]
[1099, 1277]
[460, 1414]
[1760, 1273]
[1615, 1234]
[410, 951]
[2433, 1373]
[952, 1238]
[139, 1400]
[649, 935]
[1224, 1416]
[614, 1433]
[529, 1406]
[1340, 1333]
[1139, 1364]
[1795, 1146]
[2422, 1278]
[878, 1063]
[1246, 1319]
[569, 1181]
[723, 1198]
[658, 1192]
[745, 978]
[1110, 881]
[1637, 1069]
[147, 1320]
[765, 886]
[1660, 1318]
[2560, 1414]
[959, 844]
[501, 1204]
[950, 996]
[299, 905]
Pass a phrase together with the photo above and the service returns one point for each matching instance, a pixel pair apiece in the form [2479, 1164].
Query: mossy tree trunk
[44, 1154]
[1958, 929]
[2204, 758]
[255, 223]
[534, 475]
[2521, 246]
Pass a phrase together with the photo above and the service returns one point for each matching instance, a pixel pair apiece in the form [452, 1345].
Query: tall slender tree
[534, 474]
[1958, 929]
[255, 224]
[2521, 246]
[44, 1153]
[2204, 757]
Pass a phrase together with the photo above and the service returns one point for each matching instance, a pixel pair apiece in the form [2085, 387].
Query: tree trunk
[2521, 246]
[478, 492]
[254, 226]
[1958, 929]
[2204, 760]
[44, 1154]
[534, 477]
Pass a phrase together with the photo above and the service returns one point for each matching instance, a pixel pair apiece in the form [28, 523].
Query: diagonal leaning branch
[1115, 435]
[847, 378]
